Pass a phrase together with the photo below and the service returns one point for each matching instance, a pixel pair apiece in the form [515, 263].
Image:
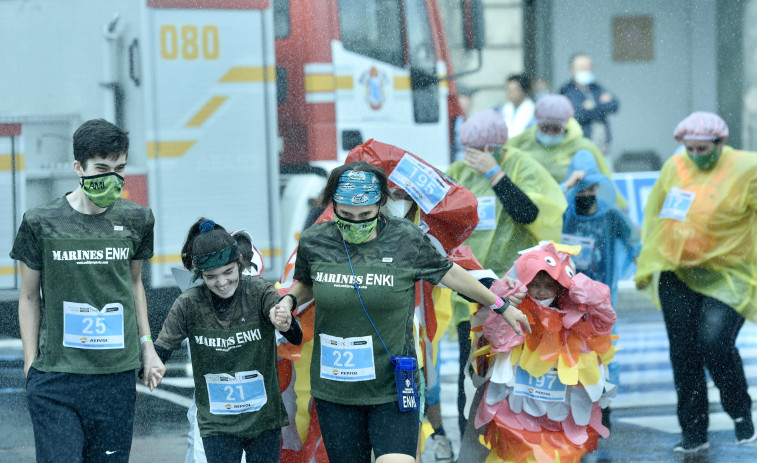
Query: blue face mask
[549, 140]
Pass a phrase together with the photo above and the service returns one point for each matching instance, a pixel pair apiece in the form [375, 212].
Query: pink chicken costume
[545, 390]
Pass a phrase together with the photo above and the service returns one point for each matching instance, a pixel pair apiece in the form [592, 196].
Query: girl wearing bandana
[361, 269]
[230, 323]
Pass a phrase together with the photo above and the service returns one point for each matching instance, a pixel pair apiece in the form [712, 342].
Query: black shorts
[351, 431]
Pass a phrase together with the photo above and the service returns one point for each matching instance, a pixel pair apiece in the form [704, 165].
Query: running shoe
[686, 446]
[745, 432]
[442, 449]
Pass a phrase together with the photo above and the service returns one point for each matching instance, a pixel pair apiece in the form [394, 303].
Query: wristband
[294, 300]
[145, 338]
[500, 305]
[492, 172]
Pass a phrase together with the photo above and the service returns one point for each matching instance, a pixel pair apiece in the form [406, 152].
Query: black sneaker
[745, 430]
[686, 446]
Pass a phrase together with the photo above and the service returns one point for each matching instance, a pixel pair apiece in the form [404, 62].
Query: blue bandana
[357, 188]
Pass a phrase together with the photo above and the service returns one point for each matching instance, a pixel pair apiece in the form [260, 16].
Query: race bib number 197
[546, 387]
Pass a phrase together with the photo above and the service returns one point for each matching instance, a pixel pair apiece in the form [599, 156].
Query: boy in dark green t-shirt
[84, 252]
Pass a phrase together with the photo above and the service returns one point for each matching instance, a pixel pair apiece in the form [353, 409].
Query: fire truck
[235, 108]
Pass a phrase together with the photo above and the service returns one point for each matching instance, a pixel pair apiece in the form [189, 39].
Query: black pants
[463, 339]
[82, 418]
[702, 333]
[264, 448]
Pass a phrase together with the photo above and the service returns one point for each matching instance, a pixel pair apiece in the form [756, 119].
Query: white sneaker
[442, 449]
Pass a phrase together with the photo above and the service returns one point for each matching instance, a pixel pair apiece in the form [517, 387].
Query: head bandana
[215, 259]
[357, 188]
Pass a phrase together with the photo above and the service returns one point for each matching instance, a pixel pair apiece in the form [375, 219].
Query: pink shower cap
[484, 128]
[553, 109]
[701, 125]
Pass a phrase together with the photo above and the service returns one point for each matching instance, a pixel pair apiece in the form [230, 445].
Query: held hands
[281, 315]
[512, 315]
[517, 298]
[606, 97]
[153, 368]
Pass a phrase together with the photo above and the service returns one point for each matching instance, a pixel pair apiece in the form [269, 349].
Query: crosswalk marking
[646, 376]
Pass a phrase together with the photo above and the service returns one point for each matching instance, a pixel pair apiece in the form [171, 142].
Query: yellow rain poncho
[703, 226]
[556, 159]
[497, 249]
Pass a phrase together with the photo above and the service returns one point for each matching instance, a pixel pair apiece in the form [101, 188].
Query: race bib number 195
[421, 182]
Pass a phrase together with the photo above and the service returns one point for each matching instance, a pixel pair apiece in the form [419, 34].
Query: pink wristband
[497, 304]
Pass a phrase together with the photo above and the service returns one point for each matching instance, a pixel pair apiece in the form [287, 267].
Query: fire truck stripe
[320, 83]
[402, 82]
[250, 74]
[168, 149]
[5, 162]
[206, 111]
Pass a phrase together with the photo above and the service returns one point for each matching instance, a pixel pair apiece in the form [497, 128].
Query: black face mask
[584, 204]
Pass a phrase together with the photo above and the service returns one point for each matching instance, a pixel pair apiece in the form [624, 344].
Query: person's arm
[29, 313]
[152, 364]
[302, 291]
[514, 201]
[283, 320]
[461, 281]
[606, 102]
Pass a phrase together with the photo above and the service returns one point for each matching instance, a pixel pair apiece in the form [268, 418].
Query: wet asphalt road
[644, 425]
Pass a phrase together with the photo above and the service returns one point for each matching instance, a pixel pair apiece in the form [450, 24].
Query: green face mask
[706, 161]
[356, 232]
[103, 189]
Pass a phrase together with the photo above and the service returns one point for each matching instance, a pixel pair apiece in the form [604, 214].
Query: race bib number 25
[85, 327]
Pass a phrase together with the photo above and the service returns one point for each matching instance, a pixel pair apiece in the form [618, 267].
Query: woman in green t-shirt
[361, 269]
[230, 323]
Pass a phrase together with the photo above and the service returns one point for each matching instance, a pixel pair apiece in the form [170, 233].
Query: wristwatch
[501, 309]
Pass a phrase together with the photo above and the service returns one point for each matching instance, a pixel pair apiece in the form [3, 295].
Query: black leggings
[264, 448]
[702, 333]
[463, 339]
[351, 431]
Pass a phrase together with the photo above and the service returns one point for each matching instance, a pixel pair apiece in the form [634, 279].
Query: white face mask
[585, 77]
[545, 302]
[397, 207]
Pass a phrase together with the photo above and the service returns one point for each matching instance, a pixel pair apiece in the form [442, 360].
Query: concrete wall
[654, 94]
[749, 118]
